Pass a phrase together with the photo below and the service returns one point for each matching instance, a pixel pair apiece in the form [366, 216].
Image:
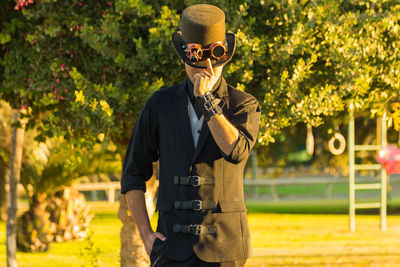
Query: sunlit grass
[105, 226]
[297, 239]
[277, 239]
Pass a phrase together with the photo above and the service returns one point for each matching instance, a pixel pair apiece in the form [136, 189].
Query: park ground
[277, 240]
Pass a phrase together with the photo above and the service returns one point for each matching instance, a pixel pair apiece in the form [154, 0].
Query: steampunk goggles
[195, 52]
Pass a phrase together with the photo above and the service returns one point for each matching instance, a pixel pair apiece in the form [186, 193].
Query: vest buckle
[196, 229]
[195, 180]
[197, 205]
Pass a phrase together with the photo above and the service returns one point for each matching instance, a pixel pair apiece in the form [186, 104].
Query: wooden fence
[111, 187]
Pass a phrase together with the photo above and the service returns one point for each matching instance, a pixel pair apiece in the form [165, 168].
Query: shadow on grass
[106, 215]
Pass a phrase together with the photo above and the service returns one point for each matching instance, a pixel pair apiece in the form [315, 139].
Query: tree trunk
[3, 201]
[34, 229]
[15, 171]
[132, 249]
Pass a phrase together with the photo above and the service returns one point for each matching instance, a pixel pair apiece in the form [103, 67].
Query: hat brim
[179, 44]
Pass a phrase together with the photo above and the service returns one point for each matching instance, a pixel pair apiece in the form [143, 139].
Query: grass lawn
[318, 206]
[322, 240]
[277, 239]
[105, 226]
[313, 191]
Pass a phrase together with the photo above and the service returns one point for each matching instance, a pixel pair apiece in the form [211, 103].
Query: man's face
[191, 71]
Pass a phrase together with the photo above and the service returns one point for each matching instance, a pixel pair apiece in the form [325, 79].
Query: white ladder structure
[353, 167]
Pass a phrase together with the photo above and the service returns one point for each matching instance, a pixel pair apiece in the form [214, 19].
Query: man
[202, 132]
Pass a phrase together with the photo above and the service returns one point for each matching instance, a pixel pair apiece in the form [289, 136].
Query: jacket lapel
[222, 93]
[205, 131]
[182, 117]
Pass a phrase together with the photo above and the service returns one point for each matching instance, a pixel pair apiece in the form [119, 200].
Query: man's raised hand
[204, 80]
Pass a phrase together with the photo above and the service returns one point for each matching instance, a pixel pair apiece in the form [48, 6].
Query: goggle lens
[194, 52]
[218, 52]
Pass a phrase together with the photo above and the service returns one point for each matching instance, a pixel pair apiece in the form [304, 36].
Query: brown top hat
[203, 25]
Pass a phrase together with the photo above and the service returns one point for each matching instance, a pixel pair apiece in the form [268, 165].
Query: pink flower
[66, 90]
[62, 98]
[58, 80]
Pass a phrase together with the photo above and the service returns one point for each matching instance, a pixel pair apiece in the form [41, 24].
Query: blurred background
[74, 75]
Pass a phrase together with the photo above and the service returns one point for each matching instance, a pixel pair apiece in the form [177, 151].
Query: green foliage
[49, 166]
[90, 252]
[91, 66]
[84, 69]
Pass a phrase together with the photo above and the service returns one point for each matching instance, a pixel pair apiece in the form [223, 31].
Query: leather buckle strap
[193, 180]
[194, 229]
[196, 205]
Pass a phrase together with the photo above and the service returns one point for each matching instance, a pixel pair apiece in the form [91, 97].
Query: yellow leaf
[79, 97]
[105, 107]
[94, 104]
[100, 136]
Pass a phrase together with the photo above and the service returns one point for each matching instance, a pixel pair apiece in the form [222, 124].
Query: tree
[79, 92]
[5, 141]
[84, 69]
[15, 171]
[56, 212]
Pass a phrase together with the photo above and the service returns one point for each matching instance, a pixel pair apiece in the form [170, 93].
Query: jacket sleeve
[246, 119]
[143, 150]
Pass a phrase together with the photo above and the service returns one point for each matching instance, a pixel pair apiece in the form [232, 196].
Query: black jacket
[162, 132]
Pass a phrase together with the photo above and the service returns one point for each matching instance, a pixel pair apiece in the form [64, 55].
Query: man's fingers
[160, 236]
[206, 73]
[197, 77]
[209, 67]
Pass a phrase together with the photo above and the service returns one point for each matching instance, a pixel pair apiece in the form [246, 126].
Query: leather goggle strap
[195, 229]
